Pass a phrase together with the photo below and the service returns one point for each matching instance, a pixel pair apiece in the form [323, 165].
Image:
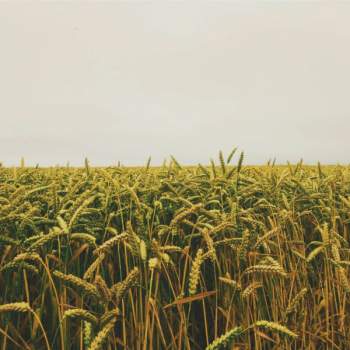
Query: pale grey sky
[125, 80]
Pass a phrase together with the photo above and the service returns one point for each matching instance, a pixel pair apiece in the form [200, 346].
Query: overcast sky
[125, 80]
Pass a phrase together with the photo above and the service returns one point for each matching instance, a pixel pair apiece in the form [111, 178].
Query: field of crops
[219, 257]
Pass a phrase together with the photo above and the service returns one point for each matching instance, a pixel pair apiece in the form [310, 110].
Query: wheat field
[224, 256]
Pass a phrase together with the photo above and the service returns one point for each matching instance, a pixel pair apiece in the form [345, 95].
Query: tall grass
[218, 257]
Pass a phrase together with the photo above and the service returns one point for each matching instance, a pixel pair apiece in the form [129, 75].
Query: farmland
[224, 256]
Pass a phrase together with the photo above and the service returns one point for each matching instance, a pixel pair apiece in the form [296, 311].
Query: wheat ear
[224, 341]
[195, 272]
[74, 281]
[102, 336]
[81, 314]
[273, 326]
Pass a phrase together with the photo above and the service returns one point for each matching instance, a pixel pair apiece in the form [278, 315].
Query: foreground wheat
[172, 257]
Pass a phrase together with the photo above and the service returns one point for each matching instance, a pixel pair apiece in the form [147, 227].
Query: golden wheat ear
[87, 332]
[15, 307]
[102, 287]
[18, 266]
[102, 336]
[276, 327]
[93, 267]
[266, 269]
[210, 245]
[292, 307]
[108, 316]
[106, 246]
[119, 289]
[232, 283]
[250, 289]
[225, 340]
[85, 237]
[195, 272]
[183, 214]
[78, 283]
[81, 314]
[45, 239]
